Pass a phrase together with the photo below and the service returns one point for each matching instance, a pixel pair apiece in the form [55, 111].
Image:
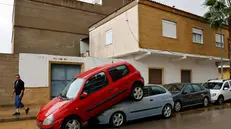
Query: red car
[91, 93]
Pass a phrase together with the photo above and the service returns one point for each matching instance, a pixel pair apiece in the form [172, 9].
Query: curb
[12, 119]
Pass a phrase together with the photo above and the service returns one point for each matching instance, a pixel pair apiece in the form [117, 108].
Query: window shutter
[169, 29]
[197, 31]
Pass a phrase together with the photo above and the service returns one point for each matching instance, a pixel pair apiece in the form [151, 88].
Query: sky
[6, 9]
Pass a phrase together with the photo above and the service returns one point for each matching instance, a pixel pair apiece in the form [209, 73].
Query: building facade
[175, 46]
[51, 27]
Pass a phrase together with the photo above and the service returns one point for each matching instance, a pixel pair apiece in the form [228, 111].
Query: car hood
[214, 91]
[53, 106]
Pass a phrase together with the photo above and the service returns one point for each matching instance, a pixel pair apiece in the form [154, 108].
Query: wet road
[214, 117]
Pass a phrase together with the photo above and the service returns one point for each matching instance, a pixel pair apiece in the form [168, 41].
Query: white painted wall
[124, 35]
[202, 70]
[33, 68]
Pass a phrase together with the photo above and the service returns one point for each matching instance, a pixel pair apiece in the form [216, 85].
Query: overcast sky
[6, 8]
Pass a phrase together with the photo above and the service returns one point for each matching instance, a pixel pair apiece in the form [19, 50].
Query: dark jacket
[19, 86]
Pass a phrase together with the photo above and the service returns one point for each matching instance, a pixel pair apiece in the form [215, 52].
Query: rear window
[118, 72]
[174, 87]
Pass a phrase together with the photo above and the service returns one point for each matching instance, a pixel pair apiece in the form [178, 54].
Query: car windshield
[174, 87]
[213, 85]
[72, 89]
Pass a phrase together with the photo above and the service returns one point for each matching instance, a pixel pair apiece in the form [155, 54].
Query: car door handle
[151, 99]
[110, 89]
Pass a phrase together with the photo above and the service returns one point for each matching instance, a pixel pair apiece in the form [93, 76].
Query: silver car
[157, 101]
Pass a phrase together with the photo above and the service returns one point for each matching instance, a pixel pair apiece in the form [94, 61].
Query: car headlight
[49, 120]
[214, 94]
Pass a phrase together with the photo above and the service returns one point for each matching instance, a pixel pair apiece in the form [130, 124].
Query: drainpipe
[146, 54]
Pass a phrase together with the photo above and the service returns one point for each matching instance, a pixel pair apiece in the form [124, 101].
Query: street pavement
[214, 117]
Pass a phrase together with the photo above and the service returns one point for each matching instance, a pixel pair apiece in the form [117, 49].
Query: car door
[229, 90]
[141, 108]
[187, 98]
[150, 105]
[159, 100]
[97, 88]
[197, 94]
[119, 75]
[226, 93]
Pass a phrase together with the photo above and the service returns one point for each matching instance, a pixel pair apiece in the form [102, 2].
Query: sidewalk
[6, 113]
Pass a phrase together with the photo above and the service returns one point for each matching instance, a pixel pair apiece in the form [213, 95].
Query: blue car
[157, 101]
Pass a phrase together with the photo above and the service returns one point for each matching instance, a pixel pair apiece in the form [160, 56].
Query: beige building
[175, 45]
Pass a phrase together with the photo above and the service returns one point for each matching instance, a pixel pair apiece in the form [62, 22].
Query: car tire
[220, 100]
[137, 92]
[206, 102]
[167, 111]
[72, 121]
[177, 106]
[117, 119]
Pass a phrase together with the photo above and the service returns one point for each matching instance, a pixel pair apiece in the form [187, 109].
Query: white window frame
[197, 32]
[169, 29]
[108, 37]
[217, 39]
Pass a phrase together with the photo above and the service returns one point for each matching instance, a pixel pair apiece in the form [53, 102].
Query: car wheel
[220, 100]
[206, 102]
[137, 92]
[117, 119]
[167, 111]
[72, 123]
[177, 106]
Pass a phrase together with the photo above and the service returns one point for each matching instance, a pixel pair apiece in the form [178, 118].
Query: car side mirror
[84, 95]
[226, 88]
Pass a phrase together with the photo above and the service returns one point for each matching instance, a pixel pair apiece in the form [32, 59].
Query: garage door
[185, 76]
[61, 75]
[155, 76]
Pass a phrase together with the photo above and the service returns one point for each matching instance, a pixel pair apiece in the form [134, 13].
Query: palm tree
[219, 13]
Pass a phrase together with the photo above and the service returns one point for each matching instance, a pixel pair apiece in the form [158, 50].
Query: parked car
[91, 93]
[220, 90]
[157, 101]
[188, 94]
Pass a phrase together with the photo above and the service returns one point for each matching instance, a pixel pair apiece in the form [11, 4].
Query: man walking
[18, 92]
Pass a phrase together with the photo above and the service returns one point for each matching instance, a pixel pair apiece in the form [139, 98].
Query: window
[219, 41]
[157, 90]
[188, 89]
[96, 83]
[226, 85]
[197, 35]
[155, 76]
[196, 88]
[153, 90]
[185, 76]
[108, 37]
[169, 29]
[117, 73]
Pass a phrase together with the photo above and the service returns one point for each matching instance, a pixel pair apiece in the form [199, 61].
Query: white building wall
[202, 70]
[124, 35]
[34, 68]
